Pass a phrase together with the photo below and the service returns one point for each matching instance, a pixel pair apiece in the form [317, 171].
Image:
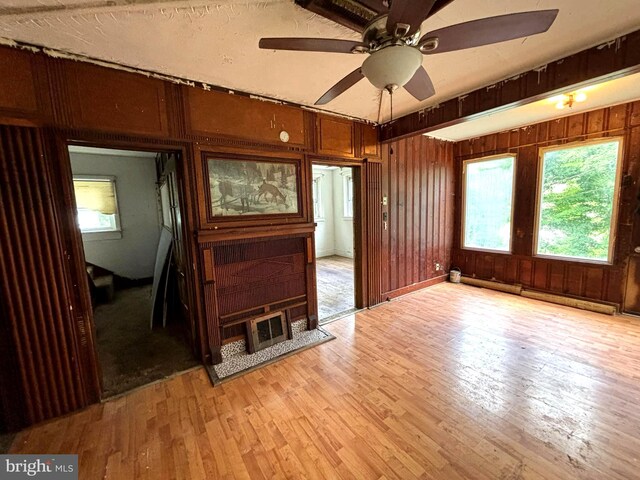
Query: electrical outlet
[438, 266]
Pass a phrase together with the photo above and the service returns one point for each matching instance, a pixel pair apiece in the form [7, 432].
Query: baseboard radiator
[547, 297]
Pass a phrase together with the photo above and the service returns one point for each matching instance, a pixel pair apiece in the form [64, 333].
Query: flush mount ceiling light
[569, 99]
[395, 44]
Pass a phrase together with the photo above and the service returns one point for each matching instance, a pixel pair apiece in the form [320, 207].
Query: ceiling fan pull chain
[391, 119]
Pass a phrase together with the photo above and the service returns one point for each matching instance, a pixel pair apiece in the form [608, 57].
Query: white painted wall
[334, 232]
[133, 255]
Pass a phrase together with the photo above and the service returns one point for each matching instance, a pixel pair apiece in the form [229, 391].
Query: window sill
[99, 236]
[487, 250]
[574, 259]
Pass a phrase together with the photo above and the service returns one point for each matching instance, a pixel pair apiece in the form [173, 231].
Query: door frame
[89, 363]
[359, 216]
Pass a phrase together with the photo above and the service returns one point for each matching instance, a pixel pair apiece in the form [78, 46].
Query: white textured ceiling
[217, 43]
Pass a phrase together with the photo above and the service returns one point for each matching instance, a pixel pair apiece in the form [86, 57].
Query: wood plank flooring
[335, 281]
[451, 382]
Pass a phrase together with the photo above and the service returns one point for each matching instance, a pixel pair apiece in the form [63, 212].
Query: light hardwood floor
[335, 281]
[447, 383]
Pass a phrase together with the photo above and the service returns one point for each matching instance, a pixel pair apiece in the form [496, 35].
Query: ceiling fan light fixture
[393, 65]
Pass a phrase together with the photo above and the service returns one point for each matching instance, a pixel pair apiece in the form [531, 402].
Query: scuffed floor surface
[130, 353]
[448, 383]
[334, 277]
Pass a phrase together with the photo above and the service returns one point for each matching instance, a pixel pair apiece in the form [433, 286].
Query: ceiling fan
[395, 45]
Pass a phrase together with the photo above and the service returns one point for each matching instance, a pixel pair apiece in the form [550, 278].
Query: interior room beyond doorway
[124, 210]
[333, 213]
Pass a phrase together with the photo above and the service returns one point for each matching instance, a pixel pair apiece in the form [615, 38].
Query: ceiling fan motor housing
[392, 66]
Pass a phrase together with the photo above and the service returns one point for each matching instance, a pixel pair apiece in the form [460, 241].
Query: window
[488, 200]
[97, 204]
[347, 191]
[317, 200]
[577, 188]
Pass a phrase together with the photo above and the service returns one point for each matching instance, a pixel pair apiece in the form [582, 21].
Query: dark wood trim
[105, 140]
[253, 232]
[615, 59]
[417, 286]
[81, 298]
[360, 189]
[207, 221]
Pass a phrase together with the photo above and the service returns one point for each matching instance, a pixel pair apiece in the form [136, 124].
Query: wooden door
[180, 257]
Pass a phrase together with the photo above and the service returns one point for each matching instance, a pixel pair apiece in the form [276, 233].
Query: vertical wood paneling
[36, 298]
[385, 247]
[592, 281]
[376, 271]
[418, 178]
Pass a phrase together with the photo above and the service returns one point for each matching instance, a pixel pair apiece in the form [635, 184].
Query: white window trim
[321, 217]
[464, 201]
[613, 231]
[95, 235]
[346, 178]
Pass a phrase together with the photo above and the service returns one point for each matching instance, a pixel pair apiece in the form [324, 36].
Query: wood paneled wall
[587, 280]
[45, 341]
[68, 101]
[418, 181]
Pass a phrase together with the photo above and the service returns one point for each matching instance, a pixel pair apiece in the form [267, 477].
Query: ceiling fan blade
[490, 30]
[342, 86]
[437, 6]
[420, 85]
[310, 44]
[406, 16]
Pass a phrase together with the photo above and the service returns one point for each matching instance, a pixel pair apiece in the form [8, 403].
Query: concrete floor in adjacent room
[451, 382]
[335, 280]
[129, 352]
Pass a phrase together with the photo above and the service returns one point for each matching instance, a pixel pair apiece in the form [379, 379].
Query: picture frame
[245, 188]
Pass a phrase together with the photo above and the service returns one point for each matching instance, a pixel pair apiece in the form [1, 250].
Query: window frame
[101, 234]
[613, 231]
[347, 200]
[317, 199]
[509, 251]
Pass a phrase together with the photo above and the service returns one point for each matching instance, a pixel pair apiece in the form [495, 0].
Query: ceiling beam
[614, 59]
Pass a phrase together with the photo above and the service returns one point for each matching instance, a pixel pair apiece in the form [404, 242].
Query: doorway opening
[333, 210]
[128, 214]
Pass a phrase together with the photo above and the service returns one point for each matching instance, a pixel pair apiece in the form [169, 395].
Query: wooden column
[46, 341]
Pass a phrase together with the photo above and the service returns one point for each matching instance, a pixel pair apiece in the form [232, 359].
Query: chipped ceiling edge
[615, 42]
[56, 53]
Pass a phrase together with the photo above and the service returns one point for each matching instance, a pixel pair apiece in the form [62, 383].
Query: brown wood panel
[18, 89]
[45, 335]
[369, 143]
[591, 281]
[250, 275]
[116, 101]
[335, 136]
[212, 113]
[417, 179]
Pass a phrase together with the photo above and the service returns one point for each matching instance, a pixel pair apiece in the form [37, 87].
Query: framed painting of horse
[249, 186]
